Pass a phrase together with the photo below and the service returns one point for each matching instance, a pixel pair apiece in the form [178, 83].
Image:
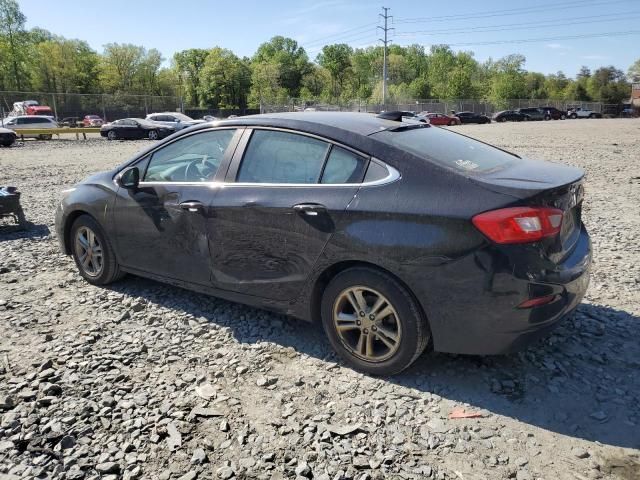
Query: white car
[583, 113]
[176, 120]
[31, 122]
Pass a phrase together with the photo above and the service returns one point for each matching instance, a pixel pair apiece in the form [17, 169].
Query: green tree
[224, 80]
[337, 60]
[608, 85]
[188, 64]
[634, 71]
[291, 61]
[15, 43]
[508, 79]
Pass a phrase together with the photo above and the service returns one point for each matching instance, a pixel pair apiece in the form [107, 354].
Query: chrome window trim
[392, 176]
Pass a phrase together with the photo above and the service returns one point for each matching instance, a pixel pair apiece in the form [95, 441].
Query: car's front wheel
[92, 252]
[112, 135]
[373, 322]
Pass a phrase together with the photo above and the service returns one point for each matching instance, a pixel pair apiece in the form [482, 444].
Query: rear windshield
[448, 149]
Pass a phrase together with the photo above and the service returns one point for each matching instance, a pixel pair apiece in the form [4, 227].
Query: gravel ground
[143, 380]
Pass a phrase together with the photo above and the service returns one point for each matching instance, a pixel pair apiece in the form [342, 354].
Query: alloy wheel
[153, 135]
[367, 323]
[89, 251]
[111, 135]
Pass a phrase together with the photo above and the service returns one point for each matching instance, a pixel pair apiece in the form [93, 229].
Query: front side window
[195, 158]
[343, 167]
[280, 157]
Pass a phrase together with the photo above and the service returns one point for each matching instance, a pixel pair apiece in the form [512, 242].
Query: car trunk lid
[546, 184]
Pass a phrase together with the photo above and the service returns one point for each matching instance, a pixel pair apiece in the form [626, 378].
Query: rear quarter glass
[448, 149]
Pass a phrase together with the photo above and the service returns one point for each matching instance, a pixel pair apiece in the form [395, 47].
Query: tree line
[281, 69]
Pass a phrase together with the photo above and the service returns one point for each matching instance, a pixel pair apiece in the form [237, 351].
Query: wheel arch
[323, 279]
[68, 223]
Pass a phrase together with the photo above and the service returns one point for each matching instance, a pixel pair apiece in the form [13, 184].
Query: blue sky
[172, 25]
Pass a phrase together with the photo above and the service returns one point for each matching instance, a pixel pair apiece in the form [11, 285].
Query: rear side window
[448, 149]
[343, 167]
[280, 157]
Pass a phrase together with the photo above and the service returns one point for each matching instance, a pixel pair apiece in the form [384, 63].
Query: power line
[385, 42]
[346, 39]
[514, 11]
[545, 39]
[339, 34]
[527, 25]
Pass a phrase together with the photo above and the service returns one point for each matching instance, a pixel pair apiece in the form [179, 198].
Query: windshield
[448, 149]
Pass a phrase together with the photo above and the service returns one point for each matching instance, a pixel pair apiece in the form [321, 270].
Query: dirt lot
[142, 380]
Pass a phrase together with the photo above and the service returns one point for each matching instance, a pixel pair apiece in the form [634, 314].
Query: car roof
[41, 117]
[317, 122]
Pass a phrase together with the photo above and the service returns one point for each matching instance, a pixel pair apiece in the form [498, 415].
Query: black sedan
[471, 117]
[135, 128]
[510, 116]
[7, 137]
[395, 236]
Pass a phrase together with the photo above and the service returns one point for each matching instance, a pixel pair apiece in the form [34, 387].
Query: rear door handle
[192, 207]
[311, 209]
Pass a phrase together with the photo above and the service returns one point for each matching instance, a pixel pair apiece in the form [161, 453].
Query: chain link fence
[433, 105]
[108, 106]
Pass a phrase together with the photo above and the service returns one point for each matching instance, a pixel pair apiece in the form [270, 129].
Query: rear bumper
[476, 308]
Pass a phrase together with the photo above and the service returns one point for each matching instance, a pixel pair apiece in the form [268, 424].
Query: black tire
[451, 123]
[6, 144]
[415, 333]
[563, 117]
[110, 270]
[112, 135]
[547, 117]
[592, 115]
[573, 116]
[502, 119]
[153, 135]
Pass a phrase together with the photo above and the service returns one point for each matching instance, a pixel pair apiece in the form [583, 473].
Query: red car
[92, 121]
[442, 119]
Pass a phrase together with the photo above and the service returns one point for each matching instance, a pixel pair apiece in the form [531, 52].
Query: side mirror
[130, 178]
[178, 120]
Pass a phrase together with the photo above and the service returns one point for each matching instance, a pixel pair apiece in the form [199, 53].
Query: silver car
[176, 120]
[31, 122]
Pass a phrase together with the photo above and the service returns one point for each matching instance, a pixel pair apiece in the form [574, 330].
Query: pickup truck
[583, 113]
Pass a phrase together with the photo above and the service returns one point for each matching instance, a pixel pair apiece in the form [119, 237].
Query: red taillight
[519, 224]
[537, 302]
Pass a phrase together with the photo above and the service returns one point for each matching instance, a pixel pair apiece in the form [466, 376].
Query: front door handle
[311, 209]
[192, 207]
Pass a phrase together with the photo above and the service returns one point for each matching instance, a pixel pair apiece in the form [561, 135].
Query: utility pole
[386, 29]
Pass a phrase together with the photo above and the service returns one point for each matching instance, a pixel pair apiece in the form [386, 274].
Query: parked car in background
[176, 120]
[398, 270]
[441, 119]
[579, 112]
[471, 117]
[209, 118]
[92, 121]
[135, 128]
[552, 113]
[533, 113]
[32, 122]
[510, 116]
[403, 116]
[7, 137]
[70, 122]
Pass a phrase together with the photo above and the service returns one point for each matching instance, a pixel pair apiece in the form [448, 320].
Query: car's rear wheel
[92, 252]
[112, 135]
[153, 135]
[451, 123]
[573, 116]
[373, 322]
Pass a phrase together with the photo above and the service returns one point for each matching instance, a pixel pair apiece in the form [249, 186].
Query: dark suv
[533, 113]
[552, 113]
